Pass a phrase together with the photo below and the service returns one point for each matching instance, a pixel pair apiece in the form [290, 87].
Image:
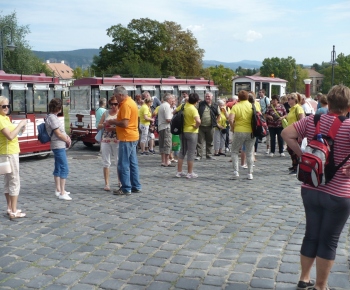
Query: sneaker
[267, 151]
[245, 166]
[227, 149]
[290, 168]
[272, 154]
[152, 152]
[198, 158]
[136, 190]
[181, 174]
[144, 153]
[210, 157]
[57, 193]
[306, 285]
[64, 197]
[191, 175]
[282, 154]
[120, 192]
[293, 172]
[235, 175]
[250, 176]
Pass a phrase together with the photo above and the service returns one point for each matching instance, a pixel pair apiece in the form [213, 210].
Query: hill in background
[83, 58]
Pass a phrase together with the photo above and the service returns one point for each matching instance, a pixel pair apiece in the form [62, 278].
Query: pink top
[340, 184]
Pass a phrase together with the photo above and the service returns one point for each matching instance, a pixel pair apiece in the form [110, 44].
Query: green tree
[222, 77]
[149, 48]
[287, 69]
[245, 72]
[21, 60]
[79, 73]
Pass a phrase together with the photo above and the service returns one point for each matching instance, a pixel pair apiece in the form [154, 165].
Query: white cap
[235, 97]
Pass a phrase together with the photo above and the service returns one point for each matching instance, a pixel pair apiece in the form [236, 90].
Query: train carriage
[29, 96]
[271, 85]
[86, 92]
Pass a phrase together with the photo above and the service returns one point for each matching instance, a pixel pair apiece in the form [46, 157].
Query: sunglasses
[291, 99]
[114, 104]
[5, 106]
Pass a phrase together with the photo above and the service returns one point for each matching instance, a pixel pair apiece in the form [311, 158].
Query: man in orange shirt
[128, 136]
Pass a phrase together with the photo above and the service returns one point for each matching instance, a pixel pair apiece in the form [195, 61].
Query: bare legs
[106, 176]
[323, 268]
[60, 185]
[11, 202]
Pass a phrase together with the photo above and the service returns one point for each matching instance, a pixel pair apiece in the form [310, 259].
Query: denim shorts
[61, 164]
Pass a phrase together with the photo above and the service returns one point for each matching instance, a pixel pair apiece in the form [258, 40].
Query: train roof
[262, 79]
[118, 80]
[36, 78]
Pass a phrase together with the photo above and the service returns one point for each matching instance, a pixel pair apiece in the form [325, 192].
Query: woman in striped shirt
[327, 207]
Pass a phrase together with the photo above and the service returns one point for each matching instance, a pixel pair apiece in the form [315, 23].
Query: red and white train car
[86, 92]
[29, 96]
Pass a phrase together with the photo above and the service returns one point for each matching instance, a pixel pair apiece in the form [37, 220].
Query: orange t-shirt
[128, 110]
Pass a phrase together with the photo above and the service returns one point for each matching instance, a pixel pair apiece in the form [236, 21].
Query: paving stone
[69, 278]
[112, 284]
[95, 277]
[13, 283]
[159, 286]
[262, 283]
[185, 283]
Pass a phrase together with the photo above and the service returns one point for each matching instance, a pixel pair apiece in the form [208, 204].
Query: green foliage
[287, 69]
[149, 48]
[21, 60]
[246, 71]
[79, 73]
[222, 77]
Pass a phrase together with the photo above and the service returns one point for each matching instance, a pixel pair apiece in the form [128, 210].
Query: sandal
[17, 215]
[9, 211]
[107, 188]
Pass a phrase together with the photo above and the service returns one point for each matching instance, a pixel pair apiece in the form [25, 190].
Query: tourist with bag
[59, 142]
[220, 130]
[327, 206]
[9, 158]
[274, 114]
[109, 141]
[295, 114]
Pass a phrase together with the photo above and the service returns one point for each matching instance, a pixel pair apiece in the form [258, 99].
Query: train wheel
[88, 144]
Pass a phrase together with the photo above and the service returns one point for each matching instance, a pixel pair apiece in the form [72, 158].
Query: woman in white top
[109, 142]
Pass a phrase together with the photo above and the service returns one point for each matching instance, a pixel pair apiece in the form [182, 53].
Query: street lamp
[10, 46]
[333, 63]
[295, 80]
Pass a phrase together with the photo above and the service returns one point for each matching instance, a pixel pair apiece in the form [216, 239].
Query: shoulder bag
[5, 166]
[284, 120]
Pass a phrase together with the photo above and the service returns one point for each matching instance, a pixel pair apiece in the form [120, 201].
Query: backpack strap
[333, 130]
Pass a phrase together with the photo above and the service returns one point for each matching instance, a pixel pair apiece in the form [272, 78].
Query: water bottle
[319, 138]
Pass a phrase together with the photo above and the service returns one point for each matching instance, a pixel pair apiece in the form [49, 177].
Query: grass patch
[66, 119]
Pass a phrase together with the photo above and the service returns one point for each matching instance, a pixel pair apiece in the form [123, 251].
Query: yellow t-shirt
[7, 146]
[223, 118]
[257, 106]
[243, 116]
[155, 112]
[145, 110]
[190, 112]
[294, 112]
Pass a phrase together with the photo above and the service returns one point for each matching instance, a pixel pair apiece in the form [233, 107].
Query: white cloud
[252, 35]
[195, 28]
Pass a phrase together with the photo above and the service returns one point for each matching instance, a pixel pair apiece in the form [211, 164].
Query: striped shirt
[340, 184]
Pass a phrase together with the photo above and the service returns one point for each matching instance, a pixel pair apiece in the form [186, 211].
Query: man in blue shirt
[100, 111]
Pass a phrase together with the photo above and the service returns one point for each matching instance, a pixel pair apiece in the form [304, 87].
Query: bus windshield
[80, 100]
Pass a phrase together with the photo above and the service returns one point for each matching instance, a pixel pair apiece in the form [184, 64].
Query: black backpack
[177, 122]
[259, 126]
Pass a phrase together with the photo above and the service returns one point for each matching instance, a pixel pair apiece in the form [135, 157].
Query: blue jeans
[61, 164]
[128, 168]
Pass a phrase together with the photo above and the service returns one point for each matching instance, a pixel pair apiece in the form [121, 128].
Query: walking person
[9, 147]
[220, 130]
[109, 142]
[128, 136]
[59, 142]
[327, 207]
[274, 115]
[145, 115]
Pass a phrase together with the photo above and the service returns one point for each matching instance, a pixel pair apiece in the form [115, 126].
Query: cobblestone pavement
[206, 233]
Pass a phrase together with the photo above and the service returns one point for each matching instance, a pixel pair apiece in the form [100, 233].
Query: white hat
[235, 97]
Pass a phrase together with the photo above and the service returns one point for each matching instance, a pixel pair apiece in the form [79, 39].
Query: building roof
[61, 70]
[314, 74]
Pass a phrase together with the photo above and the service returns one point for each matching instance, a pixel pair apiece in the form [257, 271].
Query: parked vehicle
[86, 92]
[29, 96]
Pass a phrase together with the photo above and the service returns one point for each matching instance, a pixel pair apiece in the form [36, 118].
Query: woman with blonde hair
[145, 115]
[295, 114]
[109, 142]
[9, 147]
[220, 130]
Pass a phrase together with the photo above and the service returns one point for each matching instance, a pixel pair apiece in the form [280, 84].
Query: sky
[228, 30]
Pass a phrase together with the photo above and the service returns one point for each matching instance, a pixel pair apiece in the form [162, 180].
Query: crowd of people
[130, 123]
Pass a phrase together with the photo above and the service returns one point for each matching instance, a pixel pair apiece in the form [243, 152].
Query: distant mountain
[83, 58]
[234, 65]
[75, 58]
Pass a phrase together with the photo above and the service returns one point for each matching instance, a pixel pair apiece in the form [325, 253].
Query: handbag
[5, 166]
[99, 135]
[284, 120]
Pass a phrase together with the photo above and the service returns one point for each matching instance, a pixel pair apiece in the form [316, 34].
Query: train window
[18, 100]
[80, 99]
[242, 86]
[96, 97]
[51, 94]
[276, 90]
[29, 100]
[40, 101]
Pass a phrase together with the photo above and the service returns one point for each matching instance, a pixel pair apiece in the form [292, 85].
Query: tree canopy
[21, 60]
[287, 69]
[147, 48]
[222, 77]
